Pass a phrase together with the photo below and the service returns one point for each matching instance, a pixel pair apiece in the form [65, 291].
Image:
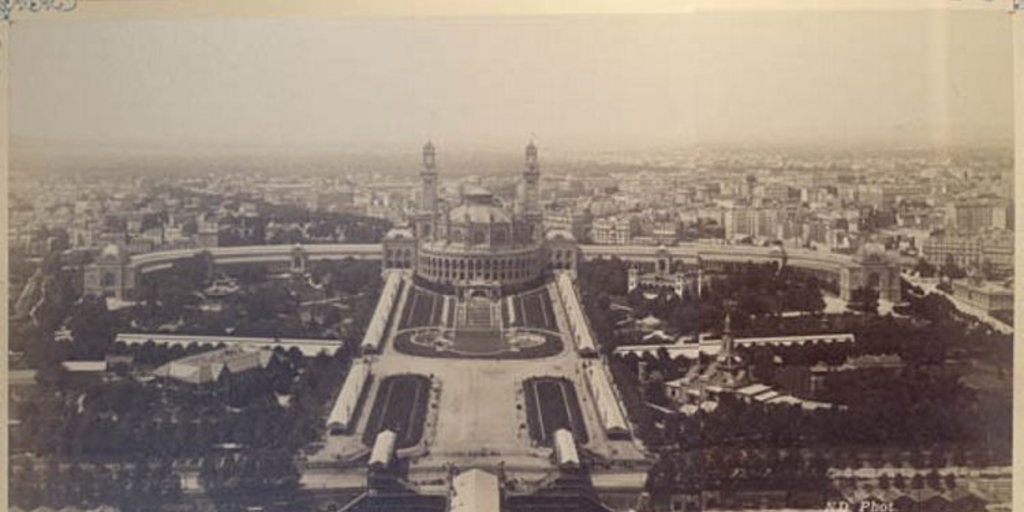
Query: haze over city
[576, 83]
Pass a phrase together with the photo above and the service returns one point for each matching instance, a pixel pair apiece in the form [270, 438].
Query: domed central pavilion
[479, 246]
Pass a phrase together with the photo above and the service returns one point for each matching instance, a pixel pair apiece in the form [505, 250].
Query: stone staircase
[479, 314]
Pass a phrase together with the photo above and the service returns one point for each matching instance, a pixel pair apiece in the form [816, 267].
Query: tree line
[136, 485]
[261, 423]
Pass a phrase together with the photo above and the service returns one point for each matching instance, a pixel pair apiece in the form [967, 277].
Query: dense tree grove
[250, 478]
[133, 485]
[20, 268]
[603, 276]
[291, 224]
[864, 300]
[347, 277]
[244, 435]
[167, 295]
[178, 420]
[92, 328]
[267, 308]
[262, 306]
[598, 281]
[128, 441]
[924, 415]
[125, 440]
[951, 270]
[41, 297]
[759, 292]
[924, 268]
[899, 422]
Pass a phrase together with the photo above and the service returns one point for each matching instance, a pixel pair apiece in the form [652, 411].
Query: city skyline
[495, 325]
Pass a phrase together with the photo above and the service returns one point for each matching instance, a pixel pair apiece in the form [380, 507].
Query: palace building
[479, 246]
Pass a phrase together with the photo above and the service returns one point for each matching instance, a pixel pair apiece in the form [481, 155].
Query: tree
[197, 270]
[24, 486]
[92, 327]
[950, 480]
[951, 270]
[864, 300]
[52, 375]
[265, 303]
[884, 482]
[900, 482]
[924, 268]
[609, 276]
[352, 276]
[917, 482]
[189, 227]
[208, 477]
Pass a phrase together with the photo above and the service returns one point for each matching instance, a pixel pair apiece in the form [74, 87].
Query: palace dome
[479, 214]
[560, 234]
[478, 208]
[476, 243]
[111, 253]
[870, 253]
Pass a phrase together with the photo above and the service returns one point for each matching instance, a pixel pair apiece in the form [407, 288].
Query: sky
[580, 82]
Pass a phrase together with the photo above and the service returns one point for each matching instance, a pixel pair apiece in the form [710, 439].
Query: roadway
[931, 286]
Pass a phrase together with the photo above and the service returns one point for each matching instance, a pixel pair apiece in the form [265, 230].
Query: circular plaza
[515, 326]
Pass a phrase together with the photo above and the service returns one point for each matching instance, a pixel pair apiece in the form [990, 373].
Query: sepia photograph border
[66, 11]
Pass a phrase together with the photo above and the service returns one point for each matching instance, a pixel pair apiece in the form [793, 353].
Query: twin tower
[527, 209]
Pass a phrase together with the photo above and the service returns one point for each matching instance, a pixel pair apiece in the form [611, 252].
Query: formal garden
[428, 327]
